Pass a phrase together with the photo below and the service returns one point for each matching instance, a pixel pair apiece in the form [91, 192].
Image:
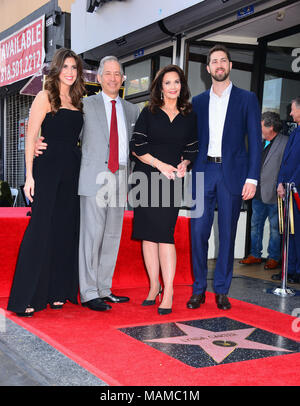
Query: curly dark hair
[77, 89]
[271, 119]
[183, 104]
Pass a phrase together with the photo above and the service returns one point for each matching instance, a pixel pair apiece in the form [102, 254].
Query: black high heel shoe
[165, 310]
[162, 311]
[152, 302]
[25, 314]
[56, 306]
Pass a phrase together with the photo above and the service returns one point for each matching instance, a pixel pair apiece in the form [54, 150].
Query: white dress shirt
[217, 115]
[122, 131]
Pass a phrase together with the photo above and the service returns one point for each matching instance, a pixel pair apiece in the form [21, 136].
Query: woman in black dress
[47, 270]
[164, 142]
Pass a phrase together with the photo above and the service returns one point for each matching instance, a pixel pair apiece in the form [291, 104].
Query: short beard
[222, 78]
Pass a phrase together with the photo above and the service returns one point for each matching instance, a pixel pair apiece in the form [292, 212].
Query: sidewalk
[26, 360]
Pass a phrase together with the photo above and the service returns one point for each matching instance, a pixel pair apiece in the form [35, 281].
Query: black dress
[168, 141]
[47, 265]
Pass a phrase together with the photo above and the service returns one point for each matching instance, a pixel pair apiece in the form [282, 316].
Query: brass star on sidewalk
[217, 345]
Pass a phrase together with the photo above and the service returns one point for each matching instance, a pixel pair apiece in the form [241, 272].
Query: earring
[161, 95]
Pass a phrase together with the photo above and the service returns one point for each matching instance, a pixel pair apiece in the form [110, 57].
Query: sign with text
[22, 53]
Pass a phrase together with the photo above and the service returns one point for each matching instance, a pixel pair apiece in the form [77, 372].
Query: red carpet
[94, 340]
[129, 270]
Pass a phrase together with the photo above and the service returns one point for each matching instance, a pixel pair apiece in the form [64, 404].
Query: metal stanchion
[286, 226]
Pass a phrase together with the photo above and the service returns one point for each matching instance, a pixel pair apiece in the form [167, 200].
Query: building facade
[30, 33]
[263, 37]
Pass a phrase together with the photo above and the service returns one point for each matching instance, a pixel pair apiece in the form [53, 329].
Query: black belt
[216, 159]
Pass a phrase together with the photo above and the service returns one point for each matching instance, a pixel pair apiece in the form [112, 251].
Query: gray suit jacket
[270, 170]
[95, 141]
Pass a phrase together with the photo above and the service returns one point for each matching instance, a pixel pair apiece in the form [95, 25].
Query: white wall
[115, 19]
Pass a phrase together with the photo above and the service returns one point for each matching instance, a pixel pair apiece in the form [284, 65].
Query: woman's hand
[29, 188]
[167, 170]
[181, 168]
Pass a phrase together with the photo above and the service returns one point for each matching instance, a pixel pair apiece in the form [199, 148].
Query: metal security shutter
[17, 113]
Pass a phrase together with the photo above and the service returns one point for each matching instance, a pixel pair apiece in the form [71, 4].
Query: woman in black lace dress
[164, 142]
[47, 270]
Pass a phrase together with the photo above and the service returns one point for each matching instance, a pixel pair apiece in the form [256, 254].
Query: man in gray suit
[264, 203]
[102, 190]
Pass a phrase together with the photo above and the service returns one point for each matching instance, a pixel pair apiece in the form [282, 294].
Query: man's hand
[281, 190]
[248, 191]
[39, 146]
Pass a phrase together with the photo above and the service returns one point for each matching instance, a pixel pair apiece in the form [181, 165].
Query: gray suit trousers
[100, 233]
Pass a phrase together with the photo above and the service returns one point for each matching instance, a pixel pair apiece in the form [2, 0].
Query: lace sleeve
[191, 149]
[140, 141]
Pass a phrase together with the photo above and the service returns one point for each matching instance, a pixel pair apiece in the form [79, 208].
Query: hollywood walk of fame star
[218, 345]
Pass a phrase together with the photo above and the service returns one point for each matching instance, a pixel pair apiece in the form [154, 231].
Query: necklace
[169, 111]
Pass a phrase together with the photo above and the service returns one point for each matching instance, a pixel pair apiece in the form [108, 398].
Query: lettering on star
[215, 341]
[207, 341]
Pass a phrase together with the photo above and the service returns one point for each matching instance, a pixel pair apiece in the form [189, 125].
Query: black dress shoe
[195, 301]
[294, 278]
[276, 276]
[223, 302]
[97, 304]
[291, 278]
[115, 299]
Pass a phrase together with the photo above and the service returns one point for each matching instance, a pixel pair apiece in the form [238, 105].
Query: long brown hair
[77, 89]
[156, 101]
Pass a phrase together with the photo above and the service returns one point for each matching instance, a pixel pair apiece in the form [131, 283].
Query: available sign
[22, 53]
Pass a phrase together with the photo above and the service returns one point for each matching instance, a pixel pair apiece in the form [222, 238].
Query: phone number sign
[22, 53]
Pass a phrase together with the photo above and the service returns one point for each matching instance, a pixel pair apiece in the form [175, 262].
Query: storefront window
[198, 78]
[280, 53]
[237, 54]
[138, 77]
[281, 81]
[17, 113]
[278, 93]
[164, 61]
